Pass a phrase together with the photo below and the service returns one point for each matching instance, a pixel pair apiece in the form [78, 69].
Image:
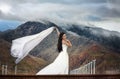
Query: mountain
[8, 24]
[25, 29]
[85, 48]
[0, 33]
[110, 39]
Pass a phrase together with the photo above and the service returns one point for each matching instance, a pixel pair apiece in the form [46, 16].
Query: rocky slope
[30, 64]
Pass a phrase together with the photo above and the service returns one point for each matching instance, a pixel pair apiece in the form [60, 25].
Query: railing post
[5, 69]
[2, 69]
[15, 69]
[91, 67]
[88, 68]
[94, 66]
[85, 69]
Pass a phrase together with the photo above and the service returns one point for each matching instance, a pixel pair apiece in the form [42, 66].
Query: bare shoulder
[67, 42]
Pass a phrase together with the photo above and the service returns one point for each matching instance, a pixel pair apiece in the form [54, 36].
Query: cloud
[108, 25]
[61, 8]
[53, 1]
[61, 11]
[31, 11]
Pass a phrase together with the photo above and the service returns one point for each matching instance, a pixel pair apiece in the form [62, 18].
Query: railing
[86, 69]
[5, 69]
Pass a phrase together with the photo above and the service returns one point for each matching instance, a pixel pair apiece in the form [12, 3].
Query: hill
[30, 65]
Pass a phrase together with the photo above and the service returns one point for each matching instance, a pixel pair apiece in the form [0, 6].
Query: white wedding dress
[59, 66]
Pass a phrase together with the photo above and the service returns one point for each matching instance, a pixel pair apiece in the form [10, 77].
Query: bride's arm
[69, 43]
[58, 32]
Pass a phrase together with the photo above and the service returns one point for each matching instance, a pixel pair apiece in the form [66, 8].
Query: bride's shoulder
[65, 41]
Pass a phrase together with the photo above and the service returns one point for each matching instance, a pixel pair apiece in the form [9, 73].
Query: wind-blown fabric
[22, 46]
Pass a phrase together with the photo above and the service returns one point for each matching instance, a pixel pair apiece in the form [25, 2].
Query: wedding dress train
[59, 66]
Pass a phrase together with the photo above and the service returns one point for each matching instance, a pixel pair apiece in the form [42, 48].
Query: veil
[22, 46]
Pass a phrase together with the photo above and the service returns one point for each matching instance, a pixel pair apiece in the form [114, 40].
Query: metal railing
[86, 69]
[4, 69]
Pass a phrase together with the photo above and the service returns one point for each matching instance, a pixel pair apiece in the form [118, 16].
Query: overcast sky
[102, 13]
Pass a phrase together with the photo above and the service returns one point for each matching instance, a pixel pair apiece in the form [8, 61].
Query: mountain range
[7, 24]
[110, 39]
[88, 44]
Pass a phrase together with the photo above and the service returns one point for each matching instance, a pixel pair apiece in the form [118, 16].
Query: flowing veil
[22, 46]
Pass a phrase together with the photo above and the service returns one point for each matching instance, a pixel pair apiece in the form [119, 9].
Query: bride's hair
[59, 45]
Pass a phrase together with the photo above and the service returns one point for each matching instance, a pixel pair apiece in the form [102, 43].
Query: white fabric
[59, 66]
[22, 46]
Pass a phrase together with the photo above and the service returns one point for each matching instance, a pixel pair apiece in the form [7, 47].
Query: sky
[100, 13]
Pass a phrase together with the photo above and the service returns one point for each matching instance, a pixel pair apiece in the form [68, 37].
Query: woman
[22, 46]
[61, 64]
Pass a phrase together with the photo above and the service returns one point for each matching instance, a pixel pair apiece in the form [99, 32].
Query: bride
[61, 64]
[22, 46]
